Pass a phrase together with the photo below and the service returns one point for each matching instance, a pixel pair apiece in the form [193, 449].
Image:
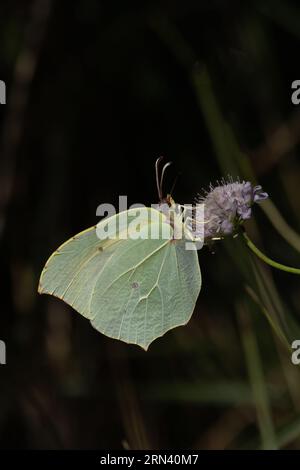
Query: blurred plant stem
[277, 330]
[266, 259]
[280, 224]
[257, 380]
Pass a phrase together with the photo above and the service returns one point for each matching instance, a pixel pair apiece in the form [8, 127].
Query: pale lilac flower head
[227, 206]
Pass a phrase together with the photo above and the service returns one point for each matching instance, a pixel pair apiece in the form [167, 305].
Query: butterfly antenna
[162, 176]
[158, 180]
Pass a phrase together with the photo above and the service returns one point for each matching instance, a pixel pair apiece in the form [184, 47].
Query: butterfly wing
[131, 289]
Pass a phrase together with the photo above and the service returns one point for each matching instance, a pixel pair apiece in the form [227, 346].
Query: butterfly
[131, 274]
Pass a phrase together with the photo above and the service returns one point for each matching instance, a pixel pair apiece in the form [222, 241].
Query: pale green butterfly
[132, 288]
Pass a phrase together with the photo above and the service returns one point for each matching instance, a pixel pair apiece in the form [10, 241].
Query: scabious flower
[227, 206]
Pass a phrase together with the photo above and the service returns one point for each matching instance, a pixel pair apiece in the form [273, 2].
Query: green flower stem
[267, 260]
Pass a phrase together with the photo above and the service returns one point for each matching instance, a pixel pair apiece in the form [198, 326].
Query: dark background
[96, 91]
